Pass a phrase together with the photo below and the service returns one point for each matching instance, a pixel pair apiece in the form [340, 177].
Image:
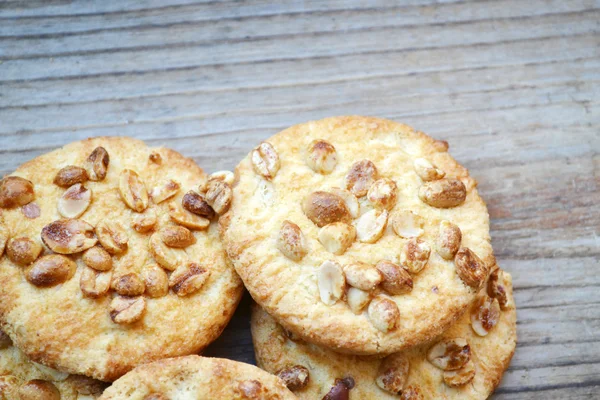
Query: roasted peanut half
[470, 268]
[415, 255]
[450, 354]
[383, 193]
[371, 225]
[218, 196]
[68, 236]
[133, 191]
[145, 222]
[127, 310]
[98, 259]
[15, 191]
[39, 389]
[357, 299]
[496, 288]
[164, 190]
[177, 236]
[360, 177]
[448, 240]
[112, 236]
[396, 280]
[70, 175]
[321, 156]
[128, 285]
[384, 313]
[324, 208]
[50, 270]
[156, 280]
[427, 171]
[195, 203]
[460, 377]
[23, 250]
[485, 314]
[96, 164]
[350, 200]
[94, 283]
[265, 160]
[74, 202]
[443, 193]
[295, 378]
[187, 219]
[331, 282]
[362, 276]
[392, 374]
[188, 278]
[168, 257]
[337, 237]
[291, 241]
[407, 224]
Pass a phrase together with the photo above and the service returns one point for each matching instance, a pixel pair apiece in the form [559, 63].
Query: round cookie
[358, 234]
[195, 377]
[20, 376]
[405, 375]
[103, 267]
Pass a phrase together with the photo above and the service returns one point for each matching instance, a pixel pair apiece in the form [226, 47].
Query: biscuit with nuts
[465, 362]
[319, 199]
[104, 266]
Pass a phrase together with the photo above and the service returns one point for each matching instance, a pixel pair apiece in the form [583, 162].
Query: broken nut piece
[187, 219]
[112, 236]
[427, 171]
[70, 175]
[407, 224]
[383, 193]
[145, 222]
[295, 378]
[331, 282]
[360, 177]
[443, 193]
[195, 203]
[362, 276]
[396, 280]
[218, 196]
[448, 240]
[485, 314]
[415, 255]
[371, 225]
[470, 268]
[93, 283]
[337, 237]
[165, 190]
[350, 200]
[156, 281]
[496, 288]
[127, 310]
[133, 191]
[324, 208]
[96, 164]
[450, 354]
[23, 250]
[384, 313]
[68, 236]
[393, 373]
[265, 160]
[188, 278]
[291, 241]
[74, 202]
[50, 270]
[460, 377]
[128, 285]
[357, 299]
[321, 156]
[168, 257]
[15, 191]
[177, 236]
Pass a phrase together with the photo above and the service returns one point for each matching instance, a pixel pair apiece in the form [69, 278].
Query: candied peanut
[496, 288]
[331, 282]
[128, 285]
[443, 193]
[218, 196]
[470, 268]
[383, 193]
[321, 156]
[295, 377]
[265, 160]
[145, 222]
[70, 175]
[127, 310]
[362, 276]
[112, 236]
[350, 200]
[415, 255]
[177, 236]
[337, 237]
[195, 203]
[291, 241]
[98, 259]
[165, 190]
[324, 208]
[186, 218]
[68, 236]
[94, 283]
[156, 280]
[384, 313]
[168, 257]
[448, 240]
[485, 314]
[74, 201]
[392, 374]
[50, 270]
[360, 177]
[31, 210]
[371, 225]
[407, 224]
[427, 171]
[357, 299]
[15, 191]
[450, 354]
[460, 377]
[396, 280]
[188, 278]
[96, 164]
[133, 191]
[23, 250]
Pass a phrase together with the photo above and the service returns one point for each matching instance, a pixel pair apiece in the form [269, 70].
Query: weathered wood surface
[512, 85]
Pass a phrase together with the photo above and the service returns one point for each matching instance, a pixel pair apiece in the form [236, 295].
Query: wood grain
[512, 85]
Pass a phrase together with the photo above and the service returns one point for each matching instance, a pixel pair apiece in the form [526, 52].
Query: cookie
[195, 377]
[358, 234]
[111, 257]
[466, 362]
[22, 378]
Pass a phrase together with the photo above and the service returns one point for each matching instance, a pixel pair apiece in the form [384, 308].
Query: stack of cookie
[367, 246]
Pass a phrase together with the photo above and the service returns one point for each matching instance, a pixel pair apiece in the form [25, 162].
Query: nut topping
[145, 222]
[68, 236]
[496, 288]
[251, 389]
[450, 354]
[177, 236]
[362, 276]
[414, 255]
[396, 280]
[98, 259]
[218, 196]
[127, 310]
[337, 237]
[265, 160]
[165, 190]
[94, 283]
[360, 177]
[383, 193]
[186, 218]
[411, 393]
[448, 240]
[393, 373]
[156, 280]
[112, 236]
[470, 268]
[350, 200]
[371, 225]
[291, 241]
[383, 313]
[15, 191]
[155, 157]
[443, 193]
[224, 176]
[31, 210]
[407, 224]
[39, 389]
[128, 285]
[321, 156]
[23, 250]
[357, 299]
[461, 376]
[485, 314]
[340, 390]
[427, 171]
[295, 378]
[188, 278]
[96, 164]
[74, 202]
[168, 257]
[70, 175]
[331, 282]
[4, 341]
[324, 208]
[133, 191]
[195, 203]
[50, 270]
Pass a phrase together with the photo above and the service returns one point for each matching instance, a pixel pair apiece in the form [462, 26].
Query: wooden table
[512, 85]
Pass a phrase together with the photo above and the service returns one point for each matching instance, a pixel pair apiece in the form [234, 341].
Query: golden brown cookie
[195, 377]
[358, 234]
[460, 364]
[104, 266]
